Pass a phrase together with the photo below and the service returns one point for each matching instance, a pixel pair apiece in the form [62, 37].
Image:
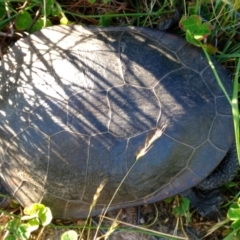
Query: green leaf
[238, 202]
[236, 225]
[105, 20]
[234, 213]
[55, 12]
[23, 232]
[13, 225]
[190, 38]
[23, 21]
[232, 236]
[203, 31]
[33, 224]
[49, 5]
[45, 217]
[34, 209]
[38, 25]
[39, 211]
[183, 209]
[92, 1]
[2, 11]
[10, 237]
[69, 235]
[191, 23]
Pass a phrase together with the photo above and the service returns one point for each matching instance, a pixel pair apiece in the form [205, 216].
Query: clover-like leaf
[195, 29]
[34, 209]
[234, 212]
[45, 216]
[33, 224]
[191, 23]
[23, 21]
[39, 24]
[23, 232]
[69, 235]
[236, 225]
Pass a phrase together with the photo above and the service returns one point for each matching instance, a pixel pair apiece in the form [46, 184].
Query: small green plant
[35, 215]
[182, 210]
[234, 216]
[196, 31]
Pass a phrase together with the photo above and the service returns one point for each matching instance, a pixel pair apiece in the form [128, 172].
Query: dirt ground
[165, 222]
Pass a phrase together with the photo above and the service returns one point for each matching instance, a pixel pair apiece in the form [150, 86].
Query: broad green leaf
[13, 225]
[33, 224]
[55, 12]
[23, 21]
[49, 5]
[203, 31]
[45, 217]
[69, 235]
[191, 23]
[38, 25]
[23, 232]
[234, 212]
[34, 209]
[10, 237]
[190, 38]
[236, 225]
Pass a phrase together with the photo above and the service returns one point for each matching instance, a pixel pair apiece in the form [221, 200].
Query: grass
[18, 16]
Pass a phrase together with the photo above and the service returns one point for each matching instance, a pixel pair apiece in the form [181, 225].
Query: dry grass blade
[155, 233]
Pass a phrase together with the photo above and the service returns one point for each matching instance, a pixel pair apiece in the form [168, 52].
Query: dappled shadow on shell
[78, 104]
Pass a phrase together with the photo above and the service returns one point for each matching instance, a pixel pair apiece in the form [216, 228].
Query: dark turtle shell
[79, 105]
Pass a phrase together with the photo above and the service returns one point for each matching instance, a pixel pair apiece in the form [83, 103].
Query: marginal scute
[109, 152]
[169, 41]
[28, 154]
[224, 125]
[203, 158]
[58, 204]
[68, 164]
[211, 80]
[162, 162]
[223, 107]
[193, 58]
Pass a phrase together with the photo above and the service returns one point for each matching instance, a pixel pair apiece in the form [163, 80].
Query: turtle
[84, 107]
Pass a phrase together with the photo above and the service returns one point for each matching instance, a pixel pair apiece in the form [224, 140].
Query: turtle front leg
[206, 197]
